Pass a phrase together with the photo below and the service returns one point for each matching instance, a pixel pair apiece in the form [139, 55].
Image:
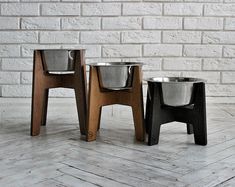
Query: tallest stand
[43, 81]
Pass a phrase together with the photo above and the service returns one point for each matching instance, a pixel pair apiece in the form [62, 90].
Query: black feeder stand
[194, 114]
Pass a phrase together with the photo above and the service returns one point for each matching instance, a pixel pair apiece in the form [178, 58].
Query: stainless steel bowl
[58, 60]
[176, 91]
[115, 75]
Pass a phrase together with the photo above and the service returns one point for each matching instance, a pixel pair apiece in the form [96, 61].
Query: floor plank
[61, 157]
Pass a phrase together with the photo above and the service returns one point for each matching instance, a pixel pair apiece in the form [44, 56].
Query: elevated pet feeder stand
[46, 63]
[115, 83]
[176, 99]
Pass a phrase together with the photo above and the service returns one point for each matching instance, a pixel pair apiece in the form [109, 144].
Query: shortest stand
[194, 115]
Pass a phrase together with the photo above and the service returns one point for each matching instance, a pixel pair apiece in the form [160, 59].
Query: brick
[102, 60]
[187, 9]
[149, 74]
[229, 51]
[80, 0]
[219, 37]
[9, 77]
[39, 0]
[181, 64]
[61, 9]
[121, 23]
[38, 23]
[18, 37]
[90, 50]
[26, 78]
[219, 64]
[142, 9]
[204, 1]
[220, 90]
[230, 24]
[100, 37]
[121, 51]
[20, 9]
[228, 77]
[181, 37]
[203, 23]
[17, 64]
[219, 9]
[141, 37]
[13, 1]
[16, 91]
[9, 23]
[62, 92]
[27, 49]
[9, 50]
[101, 9]
[210, 77]
[162, 23]
[81, 23]
[202, 51]
[148, 63]
[162, 50]
[59, 37]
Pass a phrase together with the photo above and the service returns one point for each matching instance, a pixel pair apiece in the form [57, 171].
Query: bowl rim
[189, 81]
[115, 64]
[59, 49]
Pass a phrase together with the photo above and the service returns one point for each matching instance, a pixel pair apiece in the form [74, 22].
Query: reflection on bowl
[115, 75]
[176, 91]
[58, 60]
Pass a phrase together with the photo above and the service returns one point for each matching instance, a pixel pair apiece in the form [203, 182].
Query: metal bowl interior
[175, 80]
[115, 75]
[104, 64]
[176, 91]
[58, 60]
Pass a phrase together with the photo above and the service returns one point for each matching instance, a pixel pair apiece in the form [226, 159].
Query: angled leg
[154, 122]
[37, 111]
[45, 106]
[81, 109]
[147, 111]
[80, 88]
[137, 104]
[200, 134]
[94, 107]
[37, 95]
[200, 124]
[138, 115]
[189, 128]
[100, 111]
[93, 122]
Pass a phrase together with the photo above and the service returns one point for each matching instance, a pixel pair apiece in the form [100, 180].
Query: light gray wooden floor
[60, 156]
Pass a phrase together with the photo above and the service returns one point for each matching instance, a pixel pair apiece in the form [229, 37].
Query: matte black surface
[193, 115]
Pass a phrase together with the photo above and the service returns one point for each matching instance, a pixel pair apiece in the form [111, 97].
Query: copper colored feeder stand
[99, 97]
[43, 81]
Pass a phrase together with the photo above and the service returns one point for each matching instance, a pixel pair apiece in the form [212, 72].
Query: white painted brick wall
[172, 37]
